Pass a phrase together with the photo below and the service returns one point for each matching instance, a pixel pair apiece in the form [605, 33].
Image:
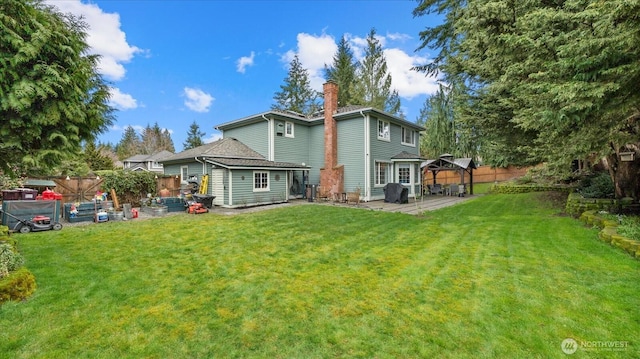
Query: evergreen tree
[556, 79]
[297, 94]
[343, 72]
[129, 145]
[154, 140]
[194, 137]
[166, 143]
[372, 86]
[52, 98]
[96, 159]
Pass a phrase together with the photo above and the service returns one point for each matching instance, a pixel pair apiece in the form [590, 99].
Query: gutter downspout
[270, 154]
[367, 166]
[204, 170]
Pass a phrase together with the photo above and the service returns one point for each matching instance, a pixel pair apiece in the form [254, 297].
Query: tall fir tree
[154, 139]
[296, 93]
[52, 95]
[372, 86]
[549, 81]
[343, 72]
[194, 137]
[129, 144]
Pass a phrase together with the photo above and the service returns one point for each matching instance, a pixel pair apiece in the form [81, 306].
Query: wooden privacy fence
[482, 174]
[84, 189]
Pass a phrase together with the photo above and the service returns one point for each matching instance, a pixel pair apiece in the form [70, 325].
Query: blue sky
[176, 62]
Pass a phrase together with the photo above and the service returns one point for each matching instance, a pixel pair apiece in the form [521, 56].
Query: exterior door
[217, 185]
[404, 175]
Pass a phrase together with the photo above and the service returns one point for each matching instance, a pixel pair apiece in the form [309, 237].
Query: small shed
[446, 162]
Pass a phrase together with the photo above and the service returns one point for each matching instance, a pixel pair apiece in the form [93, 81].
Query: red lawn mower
[35, 224]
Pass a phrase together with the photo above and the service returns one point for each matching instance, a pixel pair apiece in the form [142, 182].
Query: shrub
[599, 185]
[19, 285]
[10, 259]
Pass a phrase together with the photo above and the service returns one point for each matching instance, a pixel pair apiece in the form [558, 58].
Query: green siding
[292, 149]
[351, 147]
[243, 193]
[383, 150]
[316, 152]
[255, 135]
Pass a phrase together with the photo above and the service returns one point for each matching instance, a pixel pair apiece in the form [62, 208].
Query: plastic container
[102, 216]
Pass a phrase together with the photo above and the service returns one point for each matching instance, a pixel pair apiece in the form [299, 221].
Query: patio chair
[435, 189]
[454, 190]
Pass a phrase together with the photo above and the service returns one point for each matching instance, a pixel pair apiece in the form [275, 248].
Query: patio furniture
[462, 190]
[435, 189]
[454, 190]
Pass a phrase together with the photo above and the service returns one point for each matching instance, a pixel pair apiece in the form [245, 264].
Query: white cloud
[245, 61]
[316, 51]
[213, 137]
[313, 52]
[409, 83]
[104, 36]
[122, 101]
[197, 100]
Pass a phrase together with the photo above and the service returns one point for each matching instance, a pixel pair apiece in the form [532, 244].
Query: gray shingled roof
[404, 155]
[226, 147]
[253, 163]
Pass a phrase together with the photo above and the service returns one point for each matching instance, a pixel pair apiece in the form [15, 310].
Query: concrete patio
[415, 207]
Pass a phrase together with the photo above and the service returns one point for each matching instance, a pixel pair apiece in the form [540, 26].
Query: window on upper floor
[382, 173]
[288, 129]
[384, 130]
[260, 181]
[408, 137]
[156, 164]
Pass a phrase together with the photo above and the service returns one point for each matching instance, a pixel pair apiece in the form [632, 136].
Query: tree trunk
[626, 174]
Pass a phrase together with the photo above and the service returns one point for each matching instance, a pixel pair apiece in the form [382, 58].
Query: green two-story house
[342, 149]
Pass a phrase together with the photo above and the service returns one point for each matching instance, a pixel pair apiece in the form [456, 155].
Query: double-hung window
[260, 181]
[384, 130]
[408, 137]
[382, 173]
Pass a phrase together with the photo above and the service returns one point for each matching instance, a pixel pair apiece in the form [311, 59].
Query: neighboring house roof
[152, 157]
[230, 153]
[342, 112]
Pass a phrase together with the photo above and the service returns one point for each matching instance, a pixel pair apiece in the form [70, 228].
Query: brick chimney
[331, 175]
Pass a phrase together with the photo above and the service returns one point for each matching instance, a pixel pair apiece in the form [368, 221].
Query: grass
[497, 276]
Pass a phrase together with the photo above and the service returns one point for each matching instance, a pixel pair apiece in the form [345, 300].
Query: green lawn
[497, 276]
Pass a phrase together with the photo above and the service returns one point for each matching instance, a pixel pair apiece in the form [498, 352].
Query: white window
[260, 181]
[184, 173]
[404, 174]
[156, 164]
[408, 137]
[384, 130]
[288, 129]
[382, 173]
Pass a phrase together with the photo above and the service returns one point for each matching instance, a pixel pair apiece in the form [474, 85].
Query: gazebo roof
[448, 163]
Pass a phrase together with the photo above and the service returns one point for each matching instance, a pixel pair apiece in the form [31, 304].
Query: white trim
[389, 174]
[413, 136]
[267, 188]
[230, 189]
[182, 173]
[286, 133]
[367, 162]
[385, 136]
